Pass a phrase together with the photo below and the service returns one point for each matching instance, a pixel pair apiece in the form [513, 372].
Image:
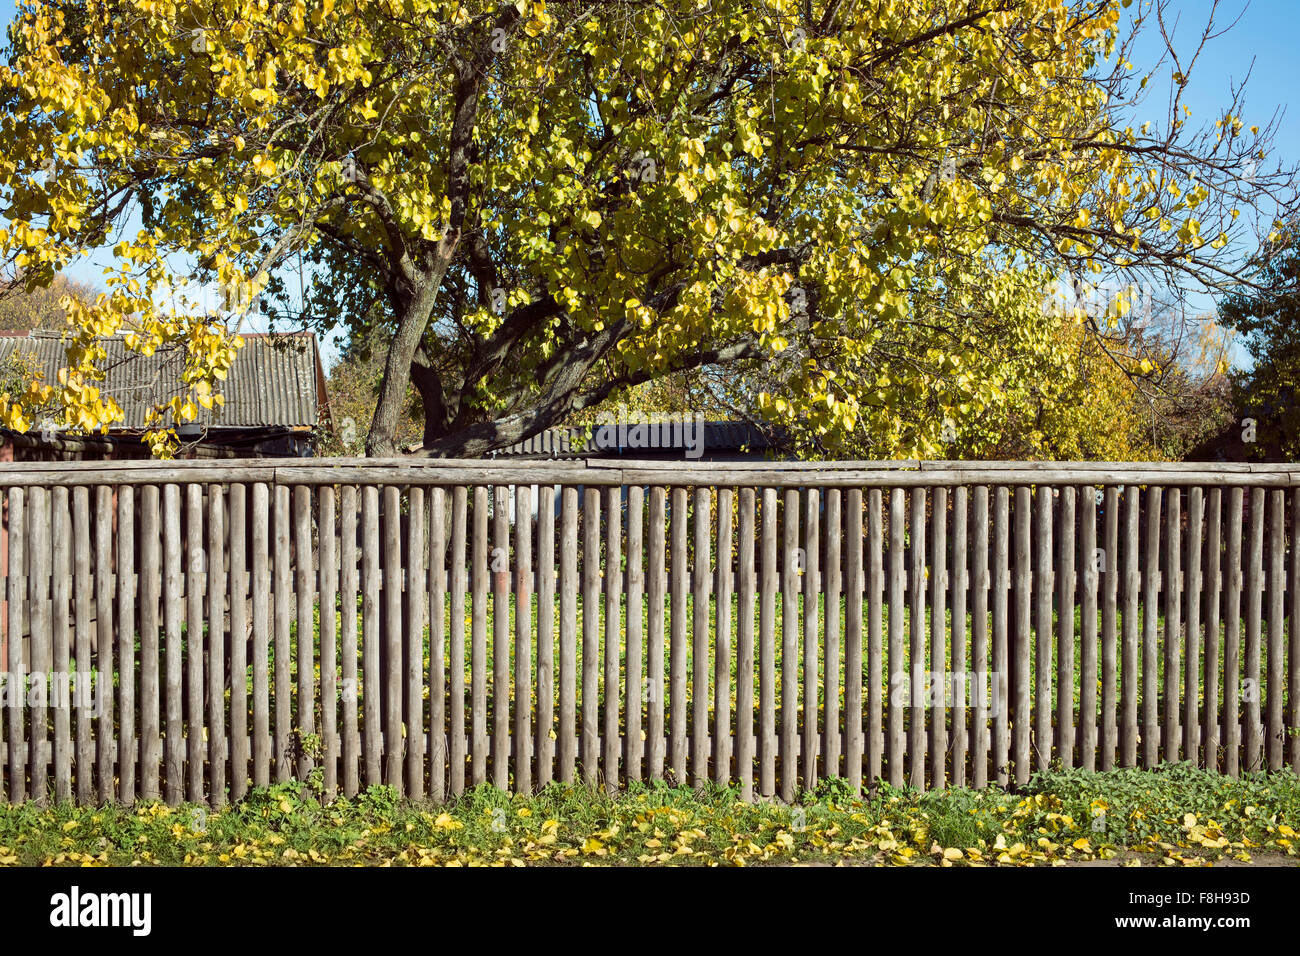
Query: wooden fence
[760, 625]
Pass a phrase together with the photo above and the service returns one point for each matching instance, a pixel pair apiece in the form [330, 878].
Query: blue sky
[1262, 43]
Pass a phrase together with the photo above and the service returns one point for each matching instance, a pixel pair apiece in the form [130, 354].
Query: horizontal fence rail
[188, 630]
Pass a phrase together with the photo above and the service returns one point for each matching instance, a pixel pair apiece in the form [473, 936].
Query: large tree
[540, 205]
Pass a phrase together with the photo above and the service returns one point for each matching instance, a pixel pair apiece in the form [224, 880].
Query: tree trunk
[428, 383]
[414, 312]
[382, 440]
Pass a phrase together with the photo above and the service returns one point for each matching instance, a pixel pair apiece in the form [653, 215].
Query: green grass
[1174, 815]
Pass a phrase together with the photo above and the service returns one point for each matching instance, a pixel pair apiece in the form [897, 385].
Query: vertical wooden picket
[437, 569]
[1232, 637]
[149, 588]
[457, 583]
[1109, 586]
[124, 574]
[371, 680]
[811, 593]
[305, 657]
[1000, 679]
[979, 629]
[896, 751]
[62, 686]
[523, 764]
[1129, 675]
[81, 589]
[391, 646]
[722, 645]
[1065, 583]
[39, 649]
[856, 595]
[936, 688]
[239, 635]
[917, 690]
[1210, 734]
[1021, 640]
[1044, 580]
[499, 568]
[568, 632]
[329, 662]
[832, 585]
[590, 635]
[745, 608]
[416, 611]
[789, 645]
[105, 738]
[348, 651]
[478, 638]
[16, 587]
[1150, 630]
[957, 683]
[217, 651]
[282, 695]
[5, 667]
[1172, 585]
[656, 593]
[1090, 572]
[260, 586]
[767, 740]
[1250, 686]
[196, 566]
[1192, 641]
[634, 682]
[1293, 638]
[613, 582]
[1274, 735]
[173, 595]
[677, 676]
[700, 595]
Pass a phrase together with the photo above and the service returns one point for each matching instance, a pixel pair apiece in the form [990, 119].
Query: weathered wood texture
[432, 627]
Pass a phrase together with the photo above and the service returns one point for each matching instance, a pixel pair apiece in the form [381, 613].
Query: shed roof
[276, 379]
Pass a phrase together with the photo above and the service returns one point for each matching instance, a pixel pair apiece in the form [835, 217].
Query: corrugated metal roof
[552, 443]
[273, 381]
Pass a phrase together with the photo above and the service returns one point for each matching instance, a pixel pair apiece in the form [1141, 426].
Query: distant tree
[1268, 319]
[1187, 397]
[25, 307]
[37, 307]
[353, 386]
[1076, 402]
